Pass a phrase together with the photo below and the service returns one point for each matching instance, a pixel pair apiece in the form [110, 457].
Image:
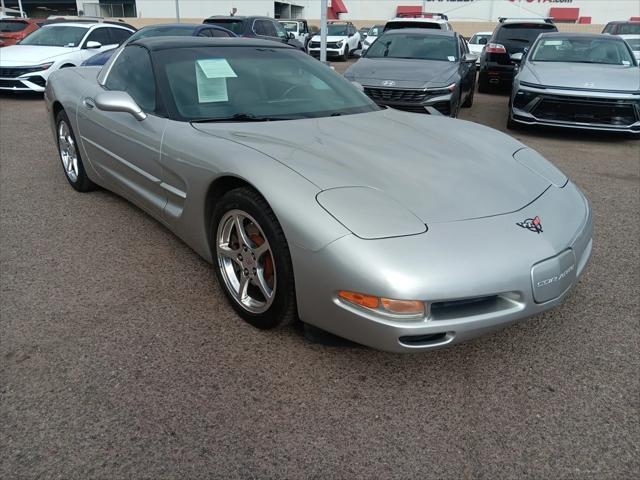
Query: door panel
[126, 153]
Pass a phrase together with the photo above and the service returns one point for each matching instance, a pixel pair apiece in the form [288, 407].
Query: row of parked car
[414, 63]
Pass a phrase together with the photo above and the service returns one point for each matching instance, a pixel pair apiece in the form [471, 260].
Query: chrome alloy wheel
[246, 261]
[68, 152]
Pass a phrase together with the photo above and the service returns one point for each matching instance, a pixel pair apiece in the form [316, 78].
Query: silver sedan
[388, 228]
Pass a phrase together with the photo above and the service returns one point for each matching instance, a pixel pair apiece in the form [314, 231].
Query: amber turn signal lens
[403, 307]
[368, 301]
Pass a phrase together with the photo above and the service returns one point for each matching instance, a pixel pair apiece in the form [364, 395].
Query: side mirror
[92, 44]
[470, 58]
[291, 35]
[350, 35]
[112, 101]
[482, 41]
[517, 57]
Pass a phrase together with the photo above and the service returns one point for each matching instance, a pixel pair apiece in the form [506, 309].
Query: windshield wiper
[240, 117]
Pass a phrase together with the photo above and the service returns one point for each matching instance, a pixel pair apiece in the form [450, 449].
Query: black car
[510, 36]
[256, 27]
[418, 70]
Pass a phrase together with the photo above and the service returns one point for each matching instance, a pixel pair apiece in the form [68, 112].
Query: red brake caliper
[268, 261]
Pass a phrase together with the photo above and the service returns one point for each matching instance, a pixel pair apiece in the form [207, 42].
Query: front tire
[252, 261]
[69, 153]
[345, 56]
[468, 102]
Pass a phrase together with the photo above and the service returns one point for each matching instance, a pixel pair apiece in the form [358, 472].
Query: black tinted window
[119, 35]
[212, 32]
[236, 26]
[12, 26]
[132, 73]
[523, 33]
[100, 35]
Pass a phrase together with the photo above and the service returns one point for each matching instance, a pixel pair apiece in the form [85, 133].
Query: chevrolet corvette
[389, 228]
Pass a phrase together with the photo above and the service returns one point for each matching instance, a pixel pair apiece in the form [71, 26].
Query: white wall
[601, 11]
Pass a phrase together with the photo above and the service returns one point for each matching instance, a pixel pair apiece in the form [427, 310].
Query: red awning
[584, 20]
[564, 14]
[337, 6]
[634, 19]
[408, 10]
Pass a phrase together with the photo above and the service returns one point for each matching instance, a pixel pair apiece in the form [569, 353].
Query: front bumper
[418, 100]
[331, 52]
[476, 275]
[582, 109]
[497, 74]
[13, 78]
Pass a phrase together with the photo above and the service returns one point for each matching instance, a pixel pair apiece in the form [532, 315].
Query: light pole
[323, 30]
[178, 11]
[22, 15]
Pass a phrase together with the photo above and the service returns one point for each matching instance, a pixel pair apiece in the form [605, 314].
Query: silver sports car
[392, 229]
[577, 80]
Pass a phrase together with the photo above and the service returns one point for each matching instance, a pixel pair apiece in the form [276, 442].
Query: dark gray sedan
[418, 70]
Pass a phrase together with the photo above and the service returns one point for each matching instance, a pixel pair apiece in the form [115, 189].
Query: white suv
[27, 65]
[342, 39]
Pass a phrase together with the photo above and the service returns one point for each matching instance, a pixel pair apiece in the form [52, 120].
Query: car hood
[31, 54]
[576, 75]
[434, 167]
[406, 73]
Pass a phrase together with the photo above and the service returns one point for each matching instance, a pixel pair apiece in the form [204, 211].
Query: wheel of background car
[252, 259]
[70, 155]
[469, 100]
[345, 56]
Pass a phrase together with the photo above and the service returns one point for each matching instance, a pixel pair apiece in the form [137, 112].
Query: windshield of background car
[523, 34]
[11, 26]
[628, 29]
[337, 30]
[405, 24]
[58, 36]
[217, 83]
[161, 32]
[290, 26]
[475, 40]
[419, 47]
[634, 43]
[375, 31]
[236, 26]
[582, 50]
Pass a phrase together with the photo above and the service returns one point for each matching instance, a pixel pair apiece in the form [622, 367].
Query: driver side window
[132, 72]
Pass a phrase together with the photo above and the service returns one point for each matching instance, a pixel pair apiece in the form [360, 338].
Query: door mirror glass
[114, 101]
[291, 35]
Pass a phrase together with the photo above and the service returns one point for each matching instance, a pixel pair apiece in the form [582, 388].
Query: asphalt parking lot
[119, 357]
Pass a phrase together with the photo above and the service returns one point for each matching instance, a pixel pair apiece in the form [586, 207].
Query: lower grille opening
[470, 307]
[423, 340]
[585, 111]
[11, 83]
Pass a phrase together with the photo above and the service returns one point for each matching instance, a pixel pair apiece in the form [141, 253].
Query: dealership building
[569, 11]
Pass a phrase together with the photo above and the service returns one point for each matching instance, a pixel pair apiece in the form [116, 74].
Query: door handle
[89, 103]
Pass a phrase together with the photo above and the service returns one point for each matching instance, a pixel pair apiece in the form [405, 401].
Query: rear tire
[253, 266]
[469, 100]
[69, 153]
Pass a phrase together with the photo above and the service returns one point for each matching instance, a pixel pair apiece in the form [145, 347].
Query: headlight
[36, 68]
[339, 43]
[442, 90]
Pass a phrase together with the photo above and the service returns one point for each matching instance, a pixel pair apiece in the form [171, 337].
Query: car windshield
[475, 40]
[375, 31]
[629, 29]
[337, 30]
[255, 83]
[9, 26]
[236, 26]
[290, 26]
[416, 46]
[523, 33]
[634, 43]
[605, 50]
[162, 32]
[56, 36]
